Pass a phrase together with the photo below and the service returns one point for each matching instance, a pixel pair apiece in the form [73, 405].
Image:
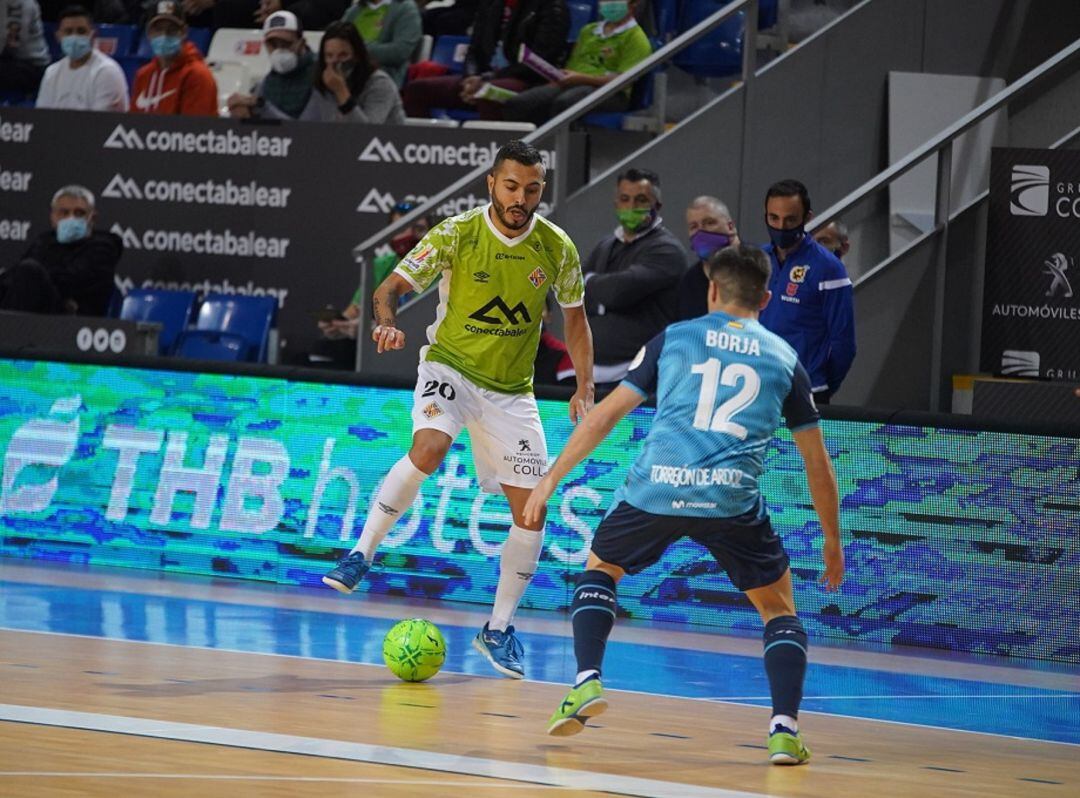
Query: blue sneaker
[348, 573]
[502, 649]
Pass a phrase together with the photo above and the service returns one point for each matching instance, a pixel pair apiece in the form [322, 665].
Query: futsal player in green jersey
[496, 265]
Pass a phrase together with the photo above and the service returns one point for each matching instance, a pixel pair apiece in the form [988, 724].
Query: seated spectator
[337, 346]
[313, 14]
[177, 80]
[710, 227]
[834, 237]
[286, 90]
[85, 79]
[631, 277]
[542, 25]
[24, 54]
[602, 52]
[391, 31]
[68, 269]
[448, 17]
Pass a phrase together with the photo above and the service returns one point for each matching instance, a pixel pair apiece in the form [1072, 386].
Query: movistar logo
[517, 315]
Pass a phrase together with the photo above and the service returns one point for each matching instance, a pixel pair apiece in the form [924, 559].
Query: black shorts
[746, 546]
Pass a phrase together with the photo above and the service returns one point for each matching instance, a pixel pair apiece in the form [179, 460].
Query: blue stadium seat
[210, 345]
[49, 29]
[450, 52]
[171, 309]
[768, 13]
[249, 317]
[719, 53]
[116, 41]
[666, 17]
[581, 13]
[641, 96]
[200, 37]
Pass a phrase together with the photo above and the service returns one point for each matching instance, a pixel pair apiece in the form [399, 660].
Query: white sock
[394, 499]
[583, 675]
[517, 564]
[783, 720]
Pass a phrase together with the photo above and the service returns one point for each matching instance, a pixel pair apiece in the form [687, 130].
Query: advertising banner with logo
[1031, 300]
[218, 206]
[260, 478]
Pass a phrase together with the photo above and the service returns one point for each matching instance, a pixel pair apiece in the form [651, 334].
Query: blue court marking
[840, 690]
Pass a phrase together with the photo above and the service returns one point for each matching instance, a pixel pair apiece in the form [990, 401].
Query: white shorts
[507, 437]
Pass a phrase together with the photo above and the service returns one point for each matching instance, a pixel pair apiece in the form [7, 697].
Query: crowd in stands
[516, 60]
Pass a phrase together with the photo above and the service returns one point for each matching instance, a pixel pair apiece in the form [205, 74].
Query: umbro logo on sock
[386, 508]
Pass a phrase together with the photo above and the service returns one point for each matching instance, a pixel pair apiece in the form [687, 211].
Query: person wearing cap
[177, 80]
[286, 89]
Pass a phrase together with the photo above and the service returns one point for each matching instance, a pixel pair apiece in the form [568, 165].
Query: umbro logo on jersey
[517, 315]
[481, 277]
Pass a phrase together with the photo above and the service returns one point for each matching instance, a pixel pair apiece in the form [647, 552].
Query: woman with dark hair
[348, 85]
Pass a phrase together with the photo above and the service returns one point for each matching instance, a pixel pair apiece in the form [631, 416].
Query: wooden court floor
[152, 719]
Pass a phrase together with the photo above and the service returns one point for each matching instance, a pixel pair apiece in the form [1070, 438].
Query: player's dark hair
[790, 188]
[74, 11]
[741, 273]
[520, 152]
[636, 175]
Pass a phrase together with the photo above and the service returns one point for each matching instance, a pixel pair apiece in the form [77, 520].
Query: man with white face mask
[85, 79]
[69, 268]
[177, 80]
[287, 88]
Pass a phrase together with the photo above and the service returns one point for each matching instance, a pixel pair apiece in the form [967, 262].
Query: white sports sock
[783, 720]
[583, 675]
[517, 564]
[396, 495]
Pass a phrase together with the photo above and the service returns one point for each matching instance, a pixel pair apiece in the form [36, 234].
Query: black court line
[1039, 781]
[849, 758]
[422, 706]
[943, 770]
[758, 747]
[341, 697]
[672, 736]
[500, 715]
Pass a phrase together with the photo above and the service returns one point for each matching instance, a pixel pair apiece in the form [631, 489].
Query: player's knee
[427, 453]
[785, 629]
[594, 590]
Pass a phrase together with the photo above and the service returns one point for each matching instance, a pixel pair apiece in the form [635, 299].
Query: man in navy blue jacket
[811, 306]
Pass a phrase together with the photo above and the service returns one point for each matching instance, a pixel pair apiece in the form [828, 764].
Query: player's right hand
[387, 337]
[536, 504]
[833, 555]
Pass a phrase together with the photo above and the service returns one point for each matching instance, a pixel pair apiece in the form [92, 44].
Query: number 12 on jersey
[713, 374]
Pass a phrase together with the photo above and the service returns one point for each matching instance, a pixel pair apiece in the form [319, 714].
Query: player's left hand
[581, 402]
[536, 505]
[833, 555]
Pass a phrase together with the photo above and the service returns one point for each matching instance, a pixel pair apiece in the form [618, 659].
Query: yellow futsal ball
[414, 650]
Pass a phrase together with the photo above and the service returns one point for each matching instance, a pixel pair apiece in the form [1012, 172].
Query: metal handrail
[947, 136]
[561, 123]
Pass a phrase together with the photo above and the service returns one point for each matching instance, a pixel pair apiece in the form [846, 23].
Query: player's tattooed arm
[384, 310]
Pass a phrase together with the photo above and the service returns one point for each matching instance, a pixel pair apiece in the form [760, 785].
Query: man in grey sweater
[24, 54]
[632, 277]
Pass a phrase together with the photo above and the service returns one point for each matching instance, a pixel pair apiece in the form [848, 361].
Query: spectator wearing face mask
[631, 277]
[811, 306]
[69, 268]
[710, 227]
[285, 91]
[85, 79]
[177, 80]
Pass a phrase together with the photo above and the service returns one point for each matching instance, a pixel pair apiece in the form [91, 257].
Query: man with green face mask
[632, 277]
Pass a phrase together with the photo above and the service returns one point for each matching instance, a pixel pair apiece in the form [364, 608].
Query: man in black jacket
[68, 269]
[500, 28]
[632, 277]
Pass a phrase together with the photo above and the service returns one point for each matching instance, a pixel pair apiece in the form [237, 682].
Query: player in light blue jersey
[722, 384]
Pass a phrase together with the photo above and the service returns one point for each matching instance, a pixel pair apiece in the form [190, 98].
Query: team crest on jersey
[432, 410]
[538, 277]
[792, 289]
[798, 273]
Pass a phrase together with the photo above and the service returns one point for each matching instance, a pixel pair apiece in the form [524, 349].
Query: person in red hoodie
[177, 80]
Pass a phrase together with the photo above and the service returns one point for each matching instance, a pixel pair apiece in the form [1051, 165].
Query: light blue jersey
[722, 384]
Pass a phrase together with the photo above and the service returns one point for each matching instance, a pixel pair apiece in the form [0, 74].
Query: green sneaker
[581, 703]
[786, 748]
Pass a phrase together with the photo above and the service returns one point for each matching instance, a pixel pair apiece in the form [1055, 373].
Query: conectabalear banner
[215, 205]
[953, 539]
[1031, 300]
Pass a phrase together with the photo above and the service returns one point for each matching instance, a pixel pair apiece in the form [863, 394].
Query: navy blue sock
[785, 663]
[593, 615]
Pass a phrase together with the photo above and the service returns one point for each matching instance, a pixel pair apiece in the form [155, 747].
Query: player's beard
[501, 211]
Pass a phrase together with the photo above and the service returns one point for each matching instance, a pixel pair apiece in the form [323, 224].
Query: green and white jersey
[491, 296]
